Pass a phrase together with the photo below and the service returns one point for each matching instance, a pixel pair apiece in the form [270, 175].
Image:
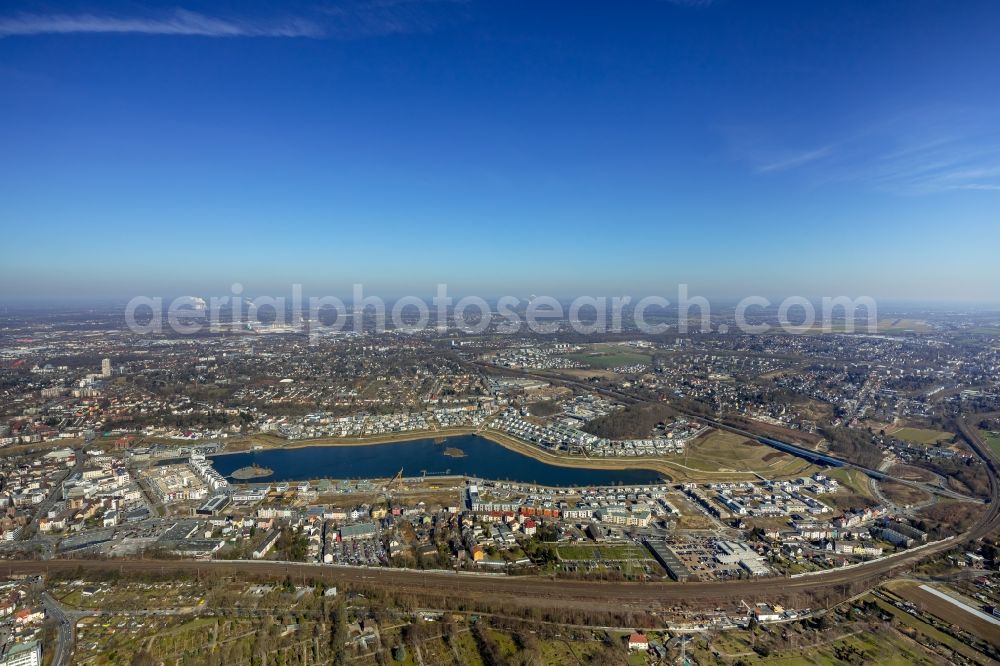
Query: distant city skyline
[502, 148]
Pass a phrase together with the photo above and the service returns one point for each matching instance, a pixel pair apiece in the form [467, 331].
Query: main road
[64, 630]
[536, 591]
[54, 495]
[786, 447]
[526, 591]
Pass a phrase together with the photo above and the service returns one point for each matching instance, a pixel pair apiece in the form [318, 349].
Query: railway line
[524, 591]
[535, 591]
[786, 447]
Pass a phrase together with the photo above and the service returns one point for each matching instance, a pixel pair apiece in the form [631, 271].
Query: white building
[23, 654]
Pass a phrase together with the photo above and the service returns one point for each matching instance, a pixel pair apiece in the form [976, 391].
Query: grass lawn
[903, 326]
[726, 451]
[465, 645]
[603, 552]
[504, 642]
[605, 356]
[564, 651]
[855, 481]
[802, 567]
[923, 436]
[922, 627]
[992, 439]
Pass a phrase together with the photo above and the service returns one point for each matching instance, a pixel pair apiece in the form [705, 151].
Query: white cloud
[794, 160]
[969, 161]
[987, 187]
[179, 22]
[923, 151]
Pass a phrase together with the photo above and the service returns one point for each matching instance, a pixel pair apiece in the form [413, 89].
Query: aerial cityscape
[423, 332]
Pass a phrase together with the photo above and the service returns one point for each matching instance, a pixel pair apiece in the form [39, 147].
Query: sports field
[598, 558]
[597, 551]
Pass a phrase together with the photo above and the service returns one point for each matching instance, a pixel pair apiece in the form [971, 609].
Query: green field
[992, 439]
[720, 451]
[903, 326]
[610, 356]
[924, 436]
[626, 559]
[603, 552]
[853, 480]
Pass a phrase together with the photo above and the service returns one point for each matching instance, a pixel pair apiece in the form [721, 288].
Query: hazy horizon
[720, 304]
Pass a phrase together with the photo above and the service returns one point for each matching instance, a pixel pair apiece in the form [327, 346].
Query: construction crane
[399, 475]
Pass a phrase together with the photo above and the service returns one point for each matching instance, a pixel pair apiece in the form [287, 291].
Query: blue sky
[815, 148]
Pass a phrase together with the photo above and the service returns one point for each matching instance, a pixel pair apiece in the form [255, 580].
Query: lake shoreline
[483, 457]
[504, 440]
[251, 472]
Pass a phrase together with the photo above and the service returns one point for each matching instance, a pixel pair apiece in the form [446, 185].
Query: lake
[483, 459]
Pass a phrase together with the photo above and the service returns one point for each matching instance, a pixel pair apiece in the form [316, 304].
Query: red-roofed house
[638, 642]
[28, 615]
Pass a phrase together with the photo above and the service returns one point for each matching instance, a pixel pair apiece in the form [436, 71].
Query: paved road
[64, 637]
[538, 591]
[532, 591]
[526, 591]
[786, 447]
[55, 494]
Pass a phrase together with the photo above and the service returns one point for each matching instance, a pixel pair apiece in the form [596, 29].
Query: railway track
[786, 447]
[535, 591]
[528, 591]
